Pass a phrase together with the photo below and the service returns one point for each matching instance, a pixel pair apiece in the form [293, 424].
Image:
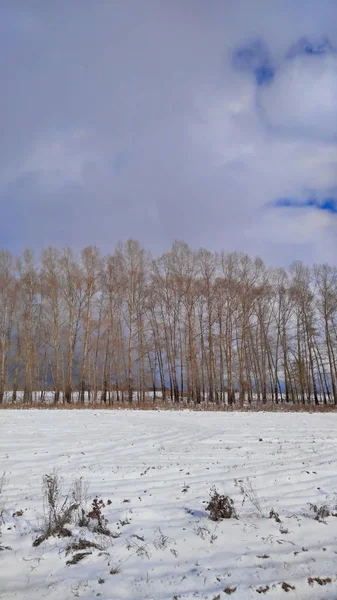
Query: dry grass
[2, 487]
[171, 406]
[77, 558]
[319, 580]
[248, 493]
[228, 590]
[81, 545]
[58, 511]
[61, 510]
[2, 506]
[115, 570]
[262, 589]
[287, 586]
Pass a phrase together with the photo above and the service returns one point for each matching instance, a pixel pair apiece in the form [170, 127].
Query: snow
[164, 464]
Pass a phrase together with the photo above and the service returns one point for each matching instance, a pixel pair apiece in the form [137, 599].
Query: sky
[213, 122]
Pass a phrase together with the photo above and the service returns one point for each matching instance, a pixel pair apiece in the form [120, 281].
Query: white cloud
[285, 228]
[261, 165]
[303, 96]
[56, 160]
[302, 225]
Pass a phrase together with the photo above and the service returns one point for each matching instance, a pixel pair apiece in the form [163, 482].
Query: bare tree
[200, 326]
[8, 304]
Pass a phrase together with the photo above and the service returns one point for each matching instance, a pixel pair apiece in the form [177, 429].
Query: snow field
[157, 468]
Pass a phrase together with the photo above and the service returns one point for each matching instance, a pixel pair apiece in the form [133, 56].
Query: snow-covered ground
[154, 471]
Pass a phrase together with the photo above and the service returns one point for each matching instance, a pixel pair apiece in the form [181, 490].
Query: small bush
[61, 510]
[220, 506]
[274, 515]
[58, 512]
[322, 512]
[95, 515]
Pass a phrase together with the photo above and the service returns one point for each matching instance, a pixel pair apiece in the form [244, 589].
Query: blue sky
[327, 204]
[212, 122]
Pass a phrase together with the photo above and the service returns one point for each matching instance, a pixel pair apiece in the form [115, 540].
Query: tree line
[190, 326]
